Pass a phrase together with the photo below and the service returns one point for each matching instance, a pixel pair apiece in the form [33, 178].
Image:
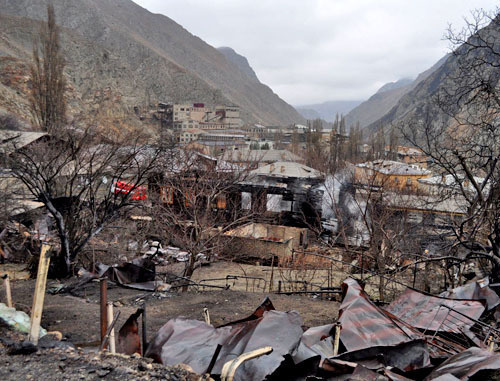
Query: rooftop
[389, 167]
[11, 140]
[271, 155]
[287, 169]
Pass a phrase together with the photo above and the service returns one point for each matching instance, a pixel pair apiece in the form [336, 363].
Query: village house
[279, 190]
[412, 155]
[388, 174]
[437, 185]
[255, 158]
[265, 241]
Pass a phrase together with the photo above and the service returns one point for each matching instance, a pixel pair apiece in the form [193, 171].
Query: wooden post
[8, 295]
[112, 345]
[39, 294]
[104, 309]
[206, 315]
[336, 341]
[272, 275]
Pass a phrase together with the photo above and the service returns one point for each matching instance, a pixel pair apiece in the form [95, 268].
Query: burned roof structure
[281, 187]
[194, 342]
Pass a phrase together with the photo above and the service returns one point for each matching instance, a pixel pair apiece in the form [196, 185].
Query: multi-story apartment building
[197, 115]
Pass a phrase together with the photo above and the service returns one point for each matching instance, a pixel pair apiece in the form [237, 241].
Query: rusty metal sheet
[365, 325]
[467, 364]
[407, 356]
[475, 291]
[140, 273]
[427, 312]
[194, 342]
[316, 341]
[265, 305]
[129, 341]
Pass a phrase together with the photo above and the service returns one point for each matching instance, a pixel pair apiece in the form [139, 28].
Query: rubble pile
[59, 360]
[416, 337]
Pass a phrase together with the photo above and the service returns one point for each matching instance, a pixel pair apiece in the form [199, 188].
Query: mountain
[450, 79]
[395, 85]
[386, 98]
[327, 110]
[126, 56]
[240, 61]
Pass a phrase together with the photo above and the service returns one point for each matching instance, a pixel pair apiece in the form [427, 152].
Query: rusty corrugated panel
[427, 312]
[467, 364]
[370, 335]
[129, 341]
[476, 291]
[365, 325]
[194, 342]
[315, 341]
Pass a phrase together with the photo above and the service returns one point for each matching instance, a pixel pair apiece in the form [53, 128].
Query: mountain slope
[448, 81]
[395, 85]
[327, 110]
[386, 98]
[240, 61]
[162, 60]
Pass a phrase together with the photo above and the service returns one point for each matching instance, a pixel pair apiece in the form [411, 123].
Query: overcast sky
[310, 51]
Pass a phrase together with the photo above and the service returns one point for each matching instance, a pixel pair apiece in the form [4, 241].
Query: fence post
[104, 308]
[39, 295]
[8, 294]
[272, 275]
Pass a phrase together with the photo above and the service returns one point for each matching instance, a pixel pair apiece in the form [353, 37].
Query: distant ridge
[386, 98]
[327, 110]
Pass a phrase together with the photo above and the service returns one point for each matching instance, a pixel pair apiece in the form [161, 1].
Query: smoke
[341, 212]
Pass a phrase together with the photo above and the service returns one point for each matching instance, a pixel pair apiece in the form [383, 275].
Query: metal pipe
[112, 344]
[108, 331]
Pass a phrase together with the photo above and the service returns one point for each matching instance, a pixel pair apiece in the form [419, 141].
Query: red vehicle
[137, 193]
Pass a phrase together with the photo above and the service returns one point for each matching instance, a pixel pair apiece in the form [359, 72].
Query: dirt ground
[78, 317]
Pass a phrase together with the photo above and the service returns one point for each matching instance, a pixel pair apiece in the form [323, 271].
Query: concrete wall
[264, 241]
[245, 248]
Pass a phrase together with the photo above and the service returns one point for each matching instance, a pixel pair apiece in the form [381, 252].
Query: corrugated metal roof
[260, 155]
[389, 167]
[11, 140]
[365, 325]
[287, 169]
[427, 312]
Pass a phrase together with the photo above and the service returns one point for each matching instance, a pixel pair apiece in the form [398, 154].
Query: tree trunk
[189, 270]
[63, 262]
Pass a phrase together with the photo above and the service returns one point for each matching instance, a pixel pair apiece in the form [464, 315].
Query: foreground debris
[53, 360]
[417, 337]
[410, 340]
